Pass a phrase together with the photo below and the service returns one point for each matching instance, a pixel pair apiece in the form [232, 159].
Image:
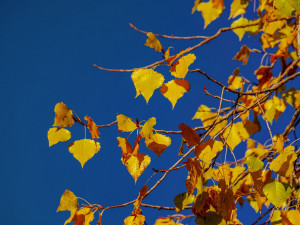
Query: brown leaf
[243, 54]
[264, 74]
[189, 135]
[92, 127]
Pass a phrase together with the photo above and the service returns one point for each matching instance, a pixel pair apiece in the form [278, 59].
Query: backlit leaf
[194, 179]
[153, 42]
[84, 216]
[207, 150]
[293, 216]
[284, 7]
[84, 149]
[243, 54]
[274, 108]
[283, 164]
[241, 31]
[181, 67]
[134, 161]
[277, 193]
[210, 10]
[238, 7]
[56, 135]
[292, 96]
[182, 200]
[234, 81]
[63, 116]
[254, 164]
[135, 219]
[158, 143]
[92, 127]
[175, 89]
[164, 221]
[125, 123]
[189, 135]
[264, 74]
[146, 81]
[68, 202]
[147, 129]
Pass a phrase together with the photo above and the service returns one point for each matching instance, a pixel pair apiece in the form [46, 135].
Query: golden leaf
[138, 201]
[158, 143]
[241, 31]
[274, 108]
[243, 54]
[84, 149]
[134, 161]
[135, 219]
[283, 164]
[174, 57]
[84, 216]
[56, 135]
[181, 67]
[182, 200]
[152, 42]
[146, 81]
[68, 202]
[175, 89]
[164, 221]
[210, 11]
[92, 127]
[238, 7]
[125, 123]
[63, 116]
[207, 150]
[277, 193]
[147, 129]
[234, 81]
[194, 180]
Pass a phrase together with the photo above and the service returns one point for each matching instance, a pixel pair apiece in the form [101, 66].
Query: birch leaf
[277, 193]
[125, 123]
[56, 135]
[181, 67]
[63, 116]
[68, 202]
[92, 127]
[153, 42]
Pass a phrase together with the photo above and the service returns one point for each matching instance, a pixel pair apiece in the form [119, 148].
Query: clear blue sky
[47, 52]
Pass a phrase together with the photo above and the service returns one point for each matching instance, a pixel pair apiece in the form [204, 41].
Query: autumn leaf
[139, 199]
[292, 96]
[147, 129]
[274, 108]
[264, 74]
[238, 7]
[125, 124]
[254, 164]
[84, 216]
[135, 219]
[158, 143]
[248, 27]
[207, 150]
[243, 54]
[56, 135]
[286, 7]
[211, 10]
[68, 202]
[197, 2]
[283, 164]
[134, 161]
[167, 53]
[277, 193]
[234, 81]
[146, 81]
[181, 67]
[84, 149]
[174, 57]
[194, 179]
[182, 200]
[164, 221]
[63, 116]
[153, 42]
[92, 127]
[189, 135]
[175, 89]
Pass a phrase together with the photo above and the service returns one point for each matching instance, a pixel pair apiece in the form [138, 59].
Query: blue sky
[47, 52]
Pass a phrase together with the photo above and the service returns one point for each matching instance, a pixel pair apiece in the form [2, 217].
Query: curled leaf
[63, 116]
[68, 202]
[92, 127]
[153, 42]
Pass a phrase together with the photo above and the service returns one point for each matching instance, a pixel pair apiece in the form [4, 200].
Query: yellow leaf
[152, 42]
[146, 81]
[158, 143]
[182, 200]
[276, 217]
[165, 220]
[197, 2]
[181, 67]
[283, 164]
[147, 129]
[167, 53]
[92, 127]
[84, 216]
[210, 11]
[292, 96]
[207, 118]
[293, 216]
[194, 179]
[174, 57]
[241, 31]
[234, 81]
[137, 219]
[56, 135]
[277, 193]
[134, 161]
[274, 108]
[63, 116]
[84, 149]
[253, 202]
[207, 150]
[125, 123]
[175, 89]
[68, 202]
[243, 54]
[238, 7]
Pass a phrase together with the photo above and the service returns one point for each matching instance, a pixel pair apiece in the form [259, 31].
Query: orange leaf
[63, 116]
[243, 55]
[92, 127]
[189, 135]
